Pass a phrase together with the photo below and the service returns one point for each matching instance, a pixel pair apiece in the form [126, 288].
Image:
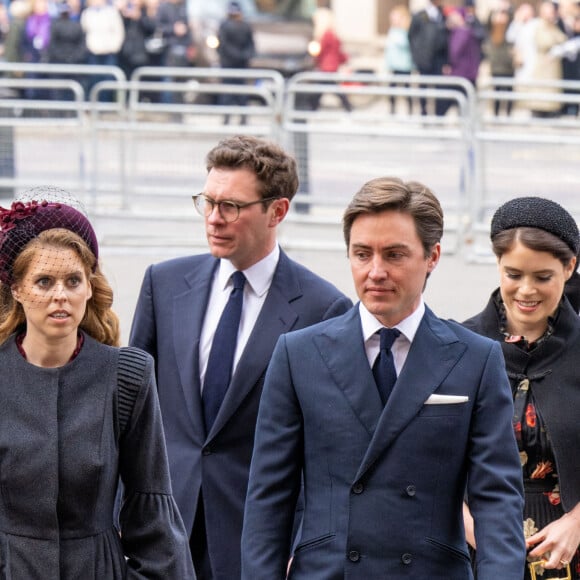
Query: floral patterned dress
[533, 366]
[542, 492]
[546, 388]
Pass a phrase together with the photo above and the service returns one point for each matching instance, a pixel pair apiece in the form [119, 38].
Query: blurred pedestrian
[104, 34]
[67, 38]
[398, 59]
[36, 37]
[536, 241]
[329, 59]
[4, 27]
[569, 24]
[499, 51]
[466, 35]
[155, 45]
[178, 42]
[18, 12]
[521, 33]
[67, 46]
[236, 50]
[35, 43]
[547, 66]
[138, 26]
[77, 413]
[464, 51]
[428, 38]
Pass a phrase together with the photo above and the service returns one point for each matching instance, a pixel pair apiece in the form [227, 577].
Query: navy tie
[384, 367]
[221, 356]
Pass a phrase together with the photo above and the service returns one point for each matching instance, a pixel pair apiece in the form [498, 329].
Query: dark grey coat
[236, 47]
[60, 458]
[552, 369]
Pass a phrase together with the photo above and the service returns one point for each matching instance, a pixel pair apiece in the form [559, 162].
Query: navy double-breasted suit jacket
[383, 488]
[167, 323]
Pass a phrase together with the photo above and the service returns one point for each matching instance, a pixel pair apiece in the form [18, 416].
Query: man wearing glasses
[211, 321]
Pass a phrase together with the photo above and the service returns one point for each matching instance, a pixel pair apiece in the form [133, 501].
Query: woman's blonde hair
[99, 321]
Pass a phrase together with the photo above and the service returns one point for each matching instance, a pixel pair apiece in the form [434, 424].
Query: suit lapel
[342, 349]
[276, 317]
[188, 314]
[433, 354]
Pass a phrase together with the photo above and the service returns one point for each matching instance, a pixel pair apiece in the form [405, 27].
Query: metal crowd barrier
[81, 73]
[46, 104]
[502, 147]
[179, 106]
[145, 147]
[58, 126]
[269, 80]
[370, 142]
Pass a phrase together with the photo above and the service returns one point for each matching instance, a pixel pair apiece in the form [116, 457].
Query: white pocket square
[446, 399]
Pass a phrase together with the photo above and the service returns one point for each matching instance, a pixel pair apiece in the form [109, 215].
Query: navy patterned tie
[384, 367]
[221, 357]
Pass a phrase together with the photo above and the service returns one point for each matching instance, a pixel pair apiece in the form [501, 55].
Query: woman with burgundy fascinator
[536, 243]
[77, 413]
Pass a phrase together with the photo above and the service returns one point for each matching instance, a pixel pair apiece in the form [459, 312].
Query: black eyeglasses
[228, 210]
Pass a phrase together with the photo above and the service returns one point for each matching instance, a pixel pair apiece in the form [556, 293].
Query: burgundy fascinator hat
[36, 210]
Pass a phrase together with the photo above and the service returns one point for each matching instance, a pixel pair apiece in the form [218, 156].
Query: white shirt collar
[259, 276]
[408, 326]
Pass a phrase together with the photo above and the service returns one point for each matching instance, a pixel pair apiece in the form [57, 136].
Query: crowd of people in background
[527, 43]
[517, 41]
[124, 33]
[96, 32]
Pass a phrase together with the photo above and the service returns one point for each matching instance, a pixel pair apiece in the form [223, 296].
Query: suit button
[206, 451]
[411, 490]
[358, 487]
[406, 559]
[354, 556]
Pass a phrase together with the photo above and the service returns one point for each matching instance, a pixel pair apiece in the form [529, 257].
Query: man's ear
[434, 257]
[280, 207]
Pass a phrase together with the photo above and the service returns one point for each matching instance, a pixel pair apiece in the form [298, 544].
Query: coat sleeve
[143, 328]
[494, 489]
[154, 539]
[274, 483]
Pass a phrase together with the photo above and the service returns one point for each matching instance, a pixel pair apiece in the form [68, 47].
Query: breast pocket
[443, 410]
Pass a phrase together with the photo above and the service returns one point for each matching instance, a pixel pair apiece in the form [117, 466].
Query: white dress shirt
[258, 281]
[400, 349]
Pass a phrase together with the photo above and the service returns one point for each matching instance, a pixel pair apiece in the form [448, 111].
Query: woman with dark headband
[536, 243]
[76, 413]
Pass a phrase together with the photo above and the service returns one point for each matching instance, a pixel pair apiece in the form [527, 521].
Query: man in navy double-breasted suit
[384, 485]
[247, 193]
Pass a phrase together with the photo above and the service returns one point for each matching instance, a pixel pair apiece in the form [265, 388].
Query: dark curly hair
[274, 168]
